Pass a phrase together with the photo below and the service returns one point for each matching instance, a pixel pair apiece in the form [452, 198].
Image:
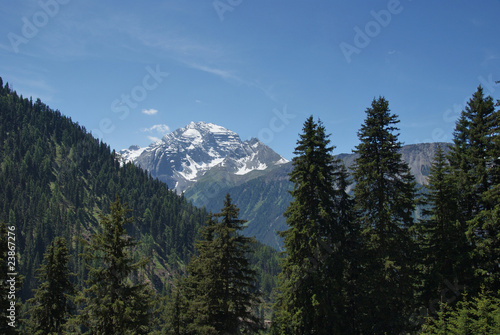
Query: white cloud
[158, 128]
[154, 139]
[150, 111]
[231, 77]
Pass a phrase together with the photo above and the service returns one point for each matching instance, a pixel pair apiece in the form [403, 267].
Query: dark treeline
[106, 249]
[371, 263]
[56, 180]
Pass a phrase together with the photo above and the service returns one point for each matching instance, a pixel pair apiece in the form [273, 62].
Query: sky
[132, 71]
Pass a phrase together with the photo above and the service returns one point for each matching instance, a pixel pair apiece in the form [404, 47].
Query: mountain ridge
[254, 175]
[181, 157]
[56, 180]
[263, 196]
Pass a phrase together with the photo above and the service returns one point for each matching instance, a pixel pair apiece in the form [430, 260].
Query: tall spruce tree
[176, 317]
[475, 163]
[385, 201]
[221, 286]
[312, 295]
[487, 222]
[470, 156]
[445, 256]
[113, 304]
[51, 306]
[477, 315]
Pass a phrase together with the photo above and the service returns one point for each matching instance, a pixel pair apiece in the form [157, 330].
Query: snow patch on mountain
[186, 154]
[131, 154]
[281, 161]
[245, 169]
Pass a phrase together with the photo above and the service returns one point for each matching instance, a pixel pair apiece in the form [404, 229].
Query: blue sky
[130, 71]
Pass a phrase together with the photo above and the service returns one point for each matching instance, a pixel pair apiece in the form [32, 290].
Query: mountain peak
[186, 154]
[206, 126]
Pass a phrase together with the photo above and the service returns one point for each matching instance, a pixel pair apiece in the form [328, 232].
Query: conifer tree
[470, 155]
[52, 304]
[312, 292]
[484, 229]
[444, 247]
[385, 200]
[113, 304]
[176, 313]
[221, 286]
[475, 162]
[479, 315]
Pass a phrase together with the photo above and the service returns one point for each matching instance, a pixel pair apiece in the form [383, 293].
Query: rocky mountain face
[206, 161]
[419, 158]
[185, 155]
[262, 196]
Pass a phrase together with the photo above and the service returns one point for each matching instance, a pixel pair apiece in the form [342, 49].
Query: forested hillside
[264, 195]
[56, 179]
[106, 248]
[366, 264]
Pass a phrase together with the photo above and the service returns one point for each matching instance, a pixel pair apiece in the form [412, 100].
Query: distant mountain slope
[186, 154]
[55, 180]
[418, 156]
[263, 196]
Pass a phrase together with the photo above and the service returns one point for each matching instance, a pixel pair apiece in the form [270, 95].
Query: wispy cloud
[224, 74]
[489, 57]
[100, 37]
[232, 77]
[97, 31]
[150, 111]
[154, 139]
[158, 128]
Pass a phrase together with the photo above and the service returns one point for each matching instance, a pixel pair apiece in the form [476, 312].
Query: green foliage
[480, 315]
[351, 265]
[262, 198]
[54, 177]
[476, 171]
[52, 306]
[384, 196]
[312, 295]
[444, 249]
[113, 304]
[470, 156]
[265, 262]
[176, 314]
[221, 286]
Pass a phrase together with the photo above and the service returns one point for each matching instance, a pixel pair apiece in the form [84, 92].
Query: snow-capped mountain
[180, 158]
